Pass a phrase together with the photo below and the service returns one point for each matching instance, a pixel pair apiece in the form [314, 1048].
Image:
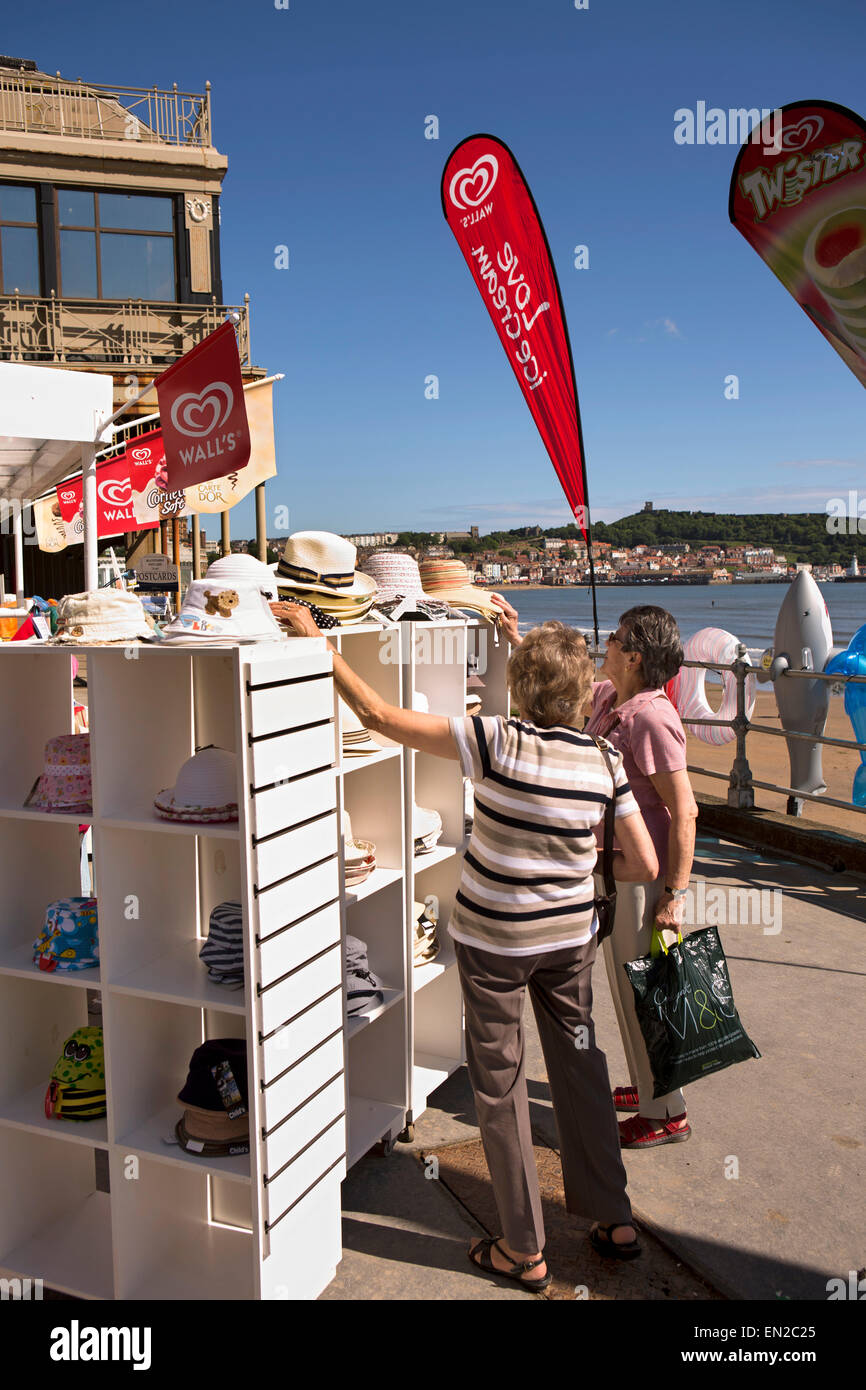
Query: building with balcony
[109, 227]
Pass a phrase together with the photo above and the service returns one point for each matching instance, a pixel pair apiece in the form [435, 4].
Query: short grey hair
[653, 633]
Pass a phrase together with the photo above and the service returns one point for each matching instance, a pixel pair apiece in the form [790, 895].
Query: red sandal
[641, 1133]
[626, 1098]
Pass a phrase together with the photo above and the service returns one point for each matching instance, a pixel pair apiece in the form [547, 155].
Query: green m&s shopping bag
[685, 1007]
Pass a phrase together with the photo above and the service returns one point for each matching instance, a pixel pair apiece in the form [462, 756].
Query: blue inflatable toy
[852, 662]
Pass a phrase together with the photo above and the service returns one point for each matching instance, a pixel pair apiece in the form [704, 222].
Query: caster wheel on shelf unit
[408, 1135]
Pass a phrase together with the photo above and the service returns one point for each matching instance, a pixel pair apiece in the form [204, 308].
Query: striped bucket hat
[223, 952]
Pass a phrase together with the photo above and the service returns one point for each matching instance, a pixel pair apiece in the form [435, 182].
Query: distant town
[650, 547]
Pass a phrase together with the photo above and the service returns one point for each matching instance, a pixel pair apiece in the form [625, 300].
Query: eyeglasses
[615, 637]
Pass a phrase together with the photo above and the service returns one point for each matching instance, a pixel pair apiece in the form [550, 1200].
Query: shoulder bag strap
[610, 811]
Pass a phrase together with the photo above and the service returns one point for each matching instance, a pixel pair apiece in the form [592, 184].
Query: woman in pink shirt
[632, 711]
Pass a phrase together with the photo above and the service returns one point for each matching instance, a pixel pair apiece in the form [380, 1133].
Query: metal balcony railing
[117, 333]
[40, 105]
[741, 784]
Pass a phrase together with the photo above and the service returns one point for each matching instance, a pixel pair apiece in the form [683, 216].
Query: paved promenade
[766, 1201]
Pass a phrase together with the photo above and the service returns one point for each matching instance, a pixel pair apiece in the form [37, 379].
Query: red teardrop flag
[491, 212]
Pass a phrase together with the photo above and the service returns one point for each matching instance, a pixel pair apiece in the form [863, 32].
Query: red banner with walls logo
[798, 196]
[202, 412]
[148, 475]
[491, 212]
[114, 509]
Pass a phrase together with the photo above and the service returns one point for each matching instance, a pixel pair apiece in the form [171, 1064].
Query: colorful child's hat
[76, 1090]
[69, 939]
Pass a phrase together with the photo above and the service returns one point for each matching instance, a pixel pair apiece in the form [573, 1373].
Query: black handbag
[605, 907]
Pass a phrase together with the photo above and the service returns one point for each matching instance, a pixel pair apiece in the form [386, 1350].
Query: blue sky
[321, 110]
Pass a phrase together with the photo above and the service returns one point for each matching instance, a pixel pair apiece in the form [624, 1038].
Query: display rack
[323, 1088]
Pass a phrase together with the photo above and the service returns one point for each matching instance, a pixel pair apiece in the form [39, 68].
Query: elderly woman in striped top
[524, 918]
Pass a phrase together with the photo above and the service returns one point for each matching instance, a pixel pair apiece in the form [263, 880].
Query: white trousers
[632, 937]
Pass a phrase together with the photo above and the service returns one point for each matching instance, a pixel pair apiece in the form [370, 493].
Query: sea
[748, 611]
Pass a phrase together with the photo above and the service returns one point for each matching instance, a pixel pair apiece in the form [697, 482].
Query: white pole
[18, 534]
[88, 470]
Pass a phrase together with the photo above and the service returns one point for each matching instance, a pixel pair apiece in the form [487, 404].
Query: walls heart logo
[140, 455]
[469, 187]
[115, 492]
[797, 137]
[199, 415]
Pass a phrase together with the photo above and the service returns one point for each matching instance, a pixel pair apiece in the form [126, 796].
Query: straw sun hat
[450, 581]
[319, 562]
[205, 790]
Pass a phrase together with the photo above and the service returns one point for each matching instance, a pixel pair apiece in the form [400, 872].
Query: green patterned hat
[76, 1090]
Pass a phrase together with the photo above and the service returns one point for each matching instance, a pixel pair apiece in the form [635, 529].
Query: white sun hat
[102, 616]
[206, 789]
[320, 562]
[214, 612]
[245, 569]
[356, 740]
[396, 575]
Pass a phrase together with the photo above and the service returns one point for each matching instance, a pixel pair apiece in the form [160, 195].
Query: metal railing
[741, 783]
[40, 105]
[116, 332]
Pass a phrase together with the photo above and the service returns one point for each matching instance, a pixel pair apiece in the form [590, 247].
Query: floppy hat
[65, 784]
[223, 952]
[356, 740]
[216, 1119]
[76, 1090]
[223, 613]
[339, 608]
[243, 569]
[396, 575]
[102, 616]
[69, 938]
[425, 916]
[451, 581]
[363, 987]
[322, 563]
[205, 790]
[426, 828]
[359, 856]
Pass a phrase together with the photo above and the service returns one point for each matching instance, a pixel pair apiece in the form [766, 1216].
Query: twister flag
[202, 412]
[798, 195]
[491, 212]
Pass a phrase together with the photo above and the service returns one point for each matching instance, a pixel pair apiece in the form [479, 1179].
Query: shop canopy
[50, 421]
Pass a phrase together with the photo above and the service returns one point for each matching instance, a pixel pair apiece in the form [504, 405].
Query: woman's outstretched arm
[429, 733]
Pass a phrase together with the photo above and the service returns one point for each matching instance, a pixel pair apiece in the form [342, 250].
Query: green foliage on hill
[796, 535]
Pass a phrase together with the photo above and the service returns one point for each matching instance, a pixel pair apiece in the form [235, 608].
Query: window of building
[19, 240]
[116, 245]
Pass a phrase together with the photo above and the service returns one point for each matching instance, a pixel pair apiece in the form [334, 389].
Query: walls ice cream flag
[491, 212]
[202, 412]
[219, 494]
[114, 510]
[145, 458]
[803, 208]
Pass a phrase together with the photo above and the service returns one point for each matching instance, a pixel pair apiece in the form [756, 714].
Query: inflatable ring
[852, 662]
[687, 690]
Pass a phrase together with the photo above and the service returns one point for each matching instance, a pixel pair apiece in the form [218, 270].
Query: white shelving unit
[323, 1088]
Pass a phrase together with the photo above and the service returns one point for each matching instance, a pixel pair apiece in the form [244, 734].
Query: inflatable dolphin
[803, 641]
[852, 662]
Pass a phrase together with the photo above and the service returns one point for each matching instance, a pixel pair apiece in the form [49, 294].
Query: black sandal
[603, 1243]
[516, 1271]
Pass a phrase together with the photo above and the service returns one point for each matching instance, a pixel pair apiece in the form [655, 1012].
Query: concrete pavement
[766, 1201]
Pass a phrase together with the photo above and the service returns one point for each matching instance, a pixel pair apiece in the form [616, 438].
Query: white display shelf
[378, 879]
[222, 830]
[148, 1139]
[437, 855]
[27, 1111]
[71, 1254]
[59, 817]
[370, 1121]
[180, 977]
[225, 1252]
[349, 765]
[18, 960]
[423, 974]
[355, 1022]
[429, 1072]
